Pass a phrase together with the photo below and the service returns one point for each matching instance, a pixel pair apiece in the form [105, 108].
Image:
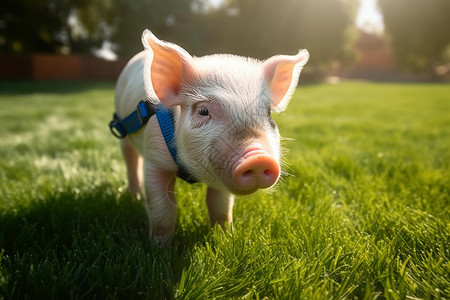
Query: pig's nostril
[269, 173]
[248, 173]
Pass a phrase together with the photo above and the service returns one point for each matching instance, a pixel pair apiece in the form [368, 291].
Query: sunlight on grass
[365, 212]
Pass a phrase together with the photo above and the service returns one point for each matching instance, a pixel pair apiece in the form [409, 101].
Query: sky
[369, 17]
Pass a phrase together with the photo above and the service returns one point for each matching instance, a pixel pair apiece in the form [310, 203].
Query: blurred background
[384, 40]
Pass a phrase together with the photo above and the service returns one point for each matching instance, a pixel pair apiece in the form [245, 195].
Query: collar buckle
[116, 128]
[143, 111]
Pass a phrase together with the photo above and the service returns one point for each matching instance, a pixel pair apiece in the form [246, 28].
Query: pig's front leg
[220, 206]
[134, 165]
[161, 203]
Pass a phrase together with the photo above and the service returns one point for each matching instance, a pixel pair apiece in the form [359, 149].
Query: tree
[256, 28]
[172, 20]
[262, 28]
[45, 25]
[418, 31]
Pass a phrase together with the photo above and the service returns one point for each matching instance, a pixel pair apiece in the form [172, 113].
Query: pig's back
[130, 86]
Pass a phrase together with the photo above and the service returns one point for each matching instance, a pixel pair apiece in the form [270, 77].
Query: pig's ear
[282, 72]
[166, 66]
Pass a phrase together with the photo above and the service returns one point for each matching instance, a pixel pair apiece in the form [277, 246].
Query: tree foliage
[257, 28]
[418, 31]
[261, 28]
[169, 19]
[48, 25]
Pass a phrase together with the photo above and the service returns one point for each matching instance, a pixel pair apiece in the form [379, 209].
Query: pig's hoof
[134, 190]
[163, 240]
[225, 226]
[161, 237]
[138, 196]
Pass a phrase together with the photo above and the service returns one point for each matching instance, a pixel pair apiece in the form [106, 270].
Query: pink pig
[224, 135]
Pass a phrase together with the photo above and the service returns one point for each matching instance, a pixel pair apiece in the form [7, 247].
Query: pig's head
[224, 131]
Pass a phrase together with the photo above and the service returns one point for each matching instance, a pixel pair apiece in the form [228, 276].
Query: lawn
[364, 214]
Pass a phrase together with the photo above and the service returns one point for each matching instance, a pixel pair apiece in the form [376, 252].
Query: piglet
[224, 134]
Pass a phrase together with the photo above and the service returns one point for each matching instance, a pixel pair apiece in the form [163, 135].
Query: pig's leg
[161, 203]
[220, 206]
[133, 162]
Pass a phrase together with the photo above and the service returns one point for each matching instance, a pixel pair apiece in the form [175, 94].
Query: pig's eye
[203, 111]
[272, 123]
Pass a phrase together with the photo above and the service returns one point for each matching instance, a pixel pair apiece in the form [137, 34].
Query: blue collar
[138, 118]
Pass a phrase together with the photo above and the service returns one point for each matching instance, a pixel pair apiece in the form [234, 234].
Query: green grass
[365, 214]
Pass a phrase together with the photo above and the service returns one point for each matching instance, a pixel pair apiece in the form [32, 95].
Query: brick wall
[374, 60]
[58, 67]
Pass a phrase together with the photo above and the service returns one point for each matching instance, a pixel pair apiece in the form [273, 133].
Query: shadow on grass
[51, 87]
[73, 244]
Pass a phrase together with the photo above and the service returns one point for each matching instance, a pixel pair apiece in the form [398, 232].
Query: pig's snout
[257, 170]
